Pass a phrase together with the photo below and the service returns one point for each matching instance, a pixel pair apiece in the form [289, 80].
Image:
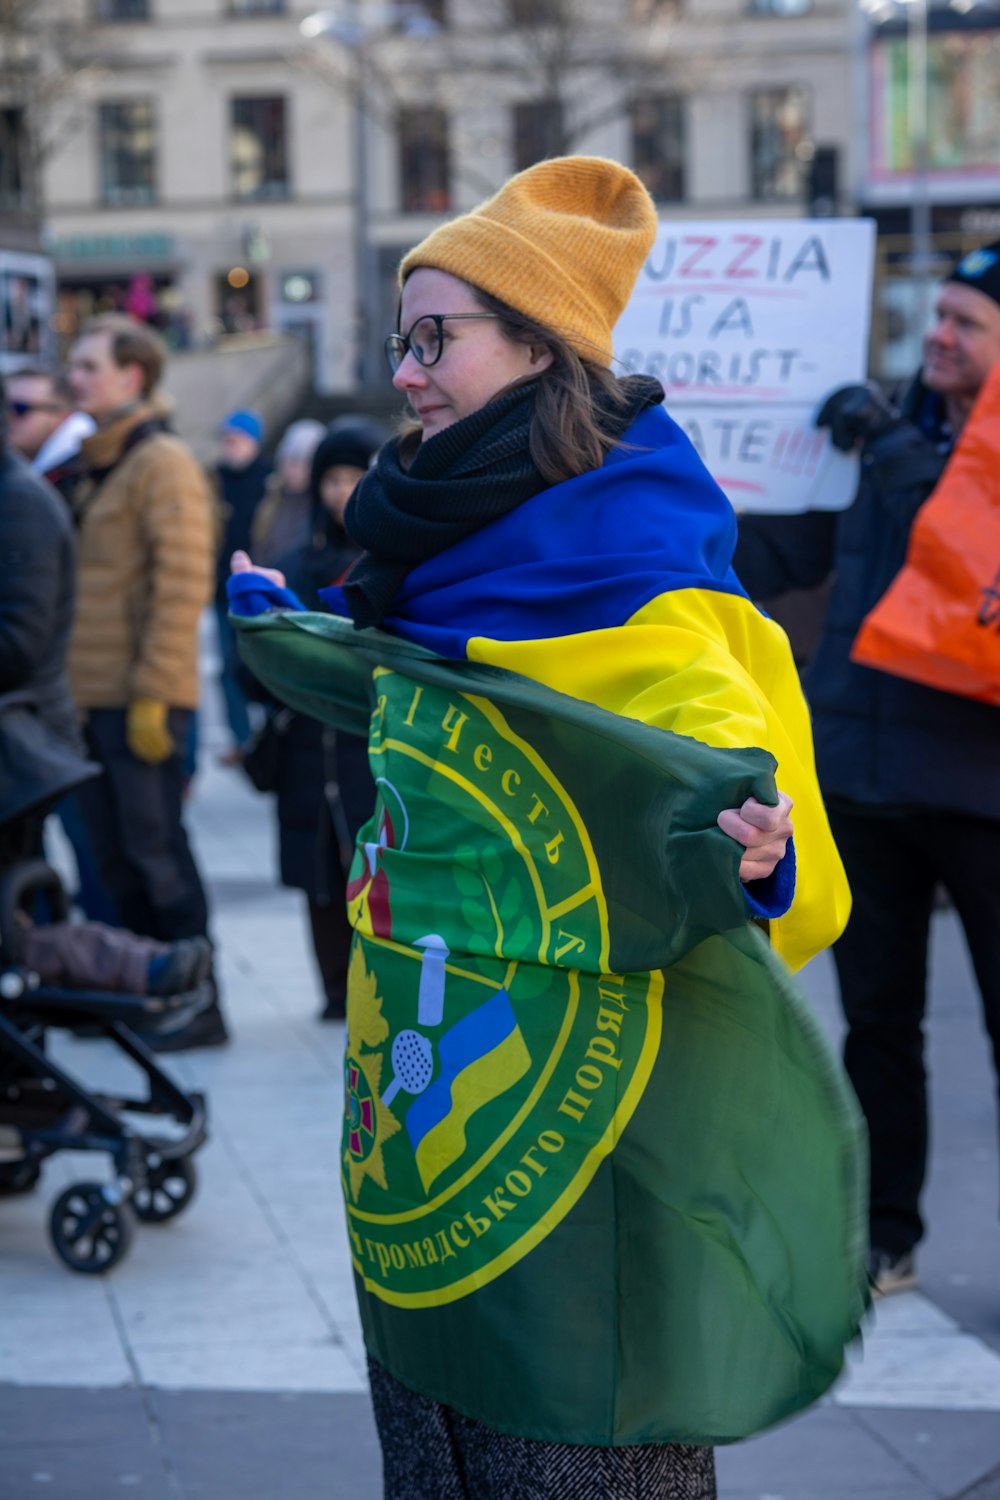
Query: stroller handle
[33, 877]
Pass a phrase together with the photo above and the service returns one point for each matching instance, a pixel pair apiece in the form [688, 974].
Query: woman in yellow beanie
[573, 1283]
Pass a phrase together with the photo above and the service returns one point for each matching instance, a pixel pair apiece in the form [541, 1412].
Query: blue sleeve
[772, 896]
[253, 594]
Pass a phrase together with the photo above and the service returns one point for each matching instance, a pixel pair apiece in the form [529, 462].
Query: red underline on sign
[738, 484]
[738, 287]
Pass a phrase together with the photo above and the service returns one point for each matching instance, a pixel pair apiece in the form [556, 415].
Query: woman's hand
[763, 831]
[240, 563]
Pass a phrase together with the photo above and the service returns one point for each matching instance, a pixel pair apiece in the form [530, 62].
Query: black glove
[856, 413]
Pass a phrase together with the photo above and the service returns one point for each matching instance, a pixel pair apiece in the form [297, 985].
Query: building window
[258, 148]
[127, 144]
[537, 12]
[658, 145]
[424, 164]
[538, 132]
[121, 10]
[643, 11]
[13, 160]
[257, 7]
[423, 10]
[963, 106]
[779, 7]
[780, 144]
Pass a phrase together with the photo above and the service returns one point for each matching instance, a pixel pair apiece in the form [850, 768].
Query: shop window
[538, 132]
[14, 150]
[238, 302]
[963, 104]
[152, 297]
[257, 7]
[121, 10]
[780, 144]
[127, 146]
[779, 7]
[24, 319]
[258, 148]
[424, 160]
[658, 145]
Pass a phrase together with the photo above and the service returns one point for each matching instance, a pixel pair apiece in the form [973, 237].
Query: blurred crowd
[117, 541]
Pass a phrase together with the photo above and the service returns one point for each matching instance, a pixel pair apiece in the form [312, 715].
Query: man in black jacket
[911, 775]
[36, 601]
[37, 594]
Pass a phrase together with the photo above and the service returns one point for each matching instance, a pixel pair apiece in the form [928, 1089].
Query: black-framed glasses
[425, 340]
[22, 408]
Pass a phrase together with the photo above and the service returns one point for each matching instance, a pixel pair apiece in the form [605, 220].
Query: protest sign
[750, 325]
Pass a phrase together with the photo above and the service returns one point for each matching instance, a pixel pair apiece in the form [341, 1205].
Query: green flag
[604, 1180]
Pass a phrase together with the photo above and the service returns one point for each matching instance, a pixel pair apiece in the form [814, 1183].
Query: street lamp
[921, 257]
[352, 27]
[917, 89]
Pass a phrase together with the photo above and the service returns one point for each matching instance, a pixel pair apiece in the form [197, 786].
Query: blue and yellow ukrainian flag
[480, 1058]
[617, 588]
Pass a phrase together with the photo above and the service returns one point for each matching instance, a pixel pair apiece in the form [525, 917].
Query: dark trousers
[90, 894]
[432, 1452]
[342, 817]
[133, 815]
[894, 861]
[331, 938]
[232, 694]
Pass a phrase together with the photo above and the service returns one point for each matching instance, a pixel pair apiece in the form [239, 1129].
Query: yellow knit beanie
[562, 243]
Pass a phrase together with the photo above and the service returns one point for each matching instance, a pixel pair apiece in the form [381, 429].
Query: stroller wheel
[167, 1191]
[89, 1233]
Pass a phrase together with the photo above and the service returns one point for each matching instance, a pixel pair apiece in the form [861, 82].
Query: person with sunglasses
[44, 426]
[542, 515]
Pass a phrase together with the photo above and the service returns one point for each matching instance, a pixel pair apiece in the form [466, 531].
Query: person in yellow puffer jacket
[146, 568]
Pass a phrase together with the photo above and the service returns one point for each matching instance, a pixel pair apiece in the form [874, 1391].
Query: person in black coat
[241, 479]
[324, 788]
[37, 596]
[36, 600]
[911, 774]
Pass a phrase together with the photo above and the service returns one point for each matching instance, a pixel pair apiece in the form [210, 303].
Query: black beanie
[346, 443]
[980, 269]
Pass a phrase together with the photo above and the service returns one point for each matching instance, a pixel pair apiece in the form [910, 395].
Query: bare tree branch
[50, 67]
[556, 49]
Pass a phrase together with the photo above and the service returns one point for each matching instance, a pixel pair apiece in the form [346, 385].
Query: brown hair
[575, 421]
[132, 343]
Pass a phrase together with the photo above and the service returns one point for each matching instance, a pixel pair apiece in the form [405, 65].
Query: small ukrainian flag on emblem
[481, 1056]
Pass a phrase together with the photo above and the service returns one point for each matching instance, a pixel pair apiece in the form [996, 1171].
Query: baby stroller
[43, 1109]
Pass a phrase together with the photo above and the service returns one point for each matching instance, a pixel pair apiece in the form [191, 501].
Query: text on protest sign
[749, 326]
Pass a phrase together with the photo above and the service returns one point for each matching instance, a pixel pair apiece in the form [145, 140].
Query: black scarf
[472, 472]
